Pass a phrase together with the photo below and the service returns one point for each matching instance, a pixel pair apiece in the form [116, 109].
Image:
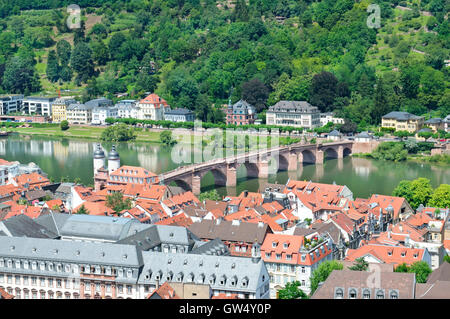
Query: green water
[72, 158]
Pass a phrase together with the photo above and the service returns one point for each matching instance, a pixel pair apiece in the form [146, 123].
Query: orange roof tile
[388, 254]
[154, 99]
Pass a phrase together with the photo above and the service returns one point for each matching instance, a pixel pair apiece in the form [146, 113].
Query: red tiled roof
[32, 179]
[165, 292]
[96, 208]
[154, 99]
[388, 254]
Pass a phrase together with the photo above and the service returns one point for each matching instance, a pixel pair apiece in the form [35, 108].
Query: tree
[324, 91]
[322, 272]
[402, 268]
[415, 192]
[255, 93]
[440, 197]
[20, 76]
[64, 51]
[166, 138]
[360, 265]
[211, 195]
[447, 258]
[240, 12]
[390, 151]
[118, 133]
[64, 125]
[100, 52]
[292, 291]
[52, 67]
[82, 210]
[422, 271]
[116, 202]
[81, 61]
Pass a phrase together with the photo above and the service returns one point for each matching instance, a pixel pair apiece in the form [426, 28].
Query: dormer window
[352, 293]
[288, 257]
[274, 244]
[339, 294]
[393, 294]
[285, 245]
[403, 254]
[389, 253]
[244, 282]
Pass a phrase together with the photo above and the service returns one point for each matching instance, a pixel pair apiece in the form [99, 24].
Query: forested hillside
[196, 53]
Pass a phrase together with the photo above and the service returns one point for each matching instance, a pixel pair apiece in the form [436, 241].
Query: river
[72, 158]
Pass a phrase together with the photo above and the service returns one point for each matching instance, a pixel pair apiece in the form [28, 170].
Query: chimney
[245, 193]
[157, 284]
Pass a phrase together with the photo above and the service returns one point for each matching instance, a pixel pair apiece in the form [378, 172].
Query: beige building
[293, 113]
[79, 114]
[435, 124]
[402, 121]
[152, 108]
[59, 109]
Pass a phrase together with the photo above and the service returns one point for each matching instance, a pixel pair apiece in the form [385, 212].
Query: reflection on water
[73, 158]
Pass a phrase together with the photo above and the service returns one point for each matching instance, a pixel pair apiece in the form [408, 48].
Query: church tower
[113, 160]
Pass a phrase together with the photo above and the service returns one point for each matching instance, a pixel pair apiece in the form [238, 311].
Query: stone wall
[364, 147]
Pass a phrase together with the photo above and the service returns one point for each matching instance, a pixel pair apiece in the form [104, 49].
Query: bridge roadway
[257, 163]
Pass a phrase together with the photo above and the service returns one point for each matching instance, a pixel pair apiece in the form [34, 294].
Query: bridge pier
[263, 169]
[231, 176]
[196, 184]
[292, 162]
[319, 157]
[340, 151]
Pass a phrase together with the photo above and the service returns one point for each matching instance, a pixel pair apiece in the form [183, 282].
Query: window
[58, 283]
[303, 270]
[339, 294]
[366, 294]
[380, 294]
[129, 289]
[278, 256]
[393, 294]
[288, 257]
[267, 255]
[120, 288]
[274, 244]
[352, 293]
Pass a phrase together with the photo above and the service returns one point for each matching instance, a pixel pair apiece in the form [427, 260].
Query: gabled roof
[388, 254]
[24, 226]
[442, 273]
[164, 292]
[154, 99]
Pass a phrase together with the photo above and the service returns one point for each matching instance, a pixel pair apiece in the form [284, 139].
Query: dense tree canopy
[196, 53]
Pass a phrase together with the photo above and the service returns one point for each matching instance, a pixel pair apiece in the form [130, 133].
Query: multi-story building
[447, 123]
[101, 110]
[325, 118]
[293, 113]
[79, 114]
[435, 124]
[241, 113]
[152, 108]
[179, 115]
[37, 105]
[349, 284]
[127, 109]
[10, 103]
[59, 109]
[291, 258]
[402, 121]
[83, 267]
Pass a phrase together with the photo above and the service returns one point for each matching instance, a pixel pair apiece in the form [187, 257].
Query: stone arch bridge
[257, 163]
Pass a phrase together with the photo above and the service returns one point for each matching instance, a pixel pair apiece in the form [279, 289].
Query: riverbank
[87, 132]
[443, 160]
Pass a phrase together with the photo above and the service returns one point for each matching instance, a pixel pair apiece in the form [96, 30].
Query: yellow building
[402, 121]
[59, 109]
[435, 124]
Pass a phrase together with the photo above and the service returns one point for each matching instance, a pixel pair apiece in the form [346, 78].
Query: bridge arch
[220, 177]
[307, 157]
[251, 168]
[283, 162]
[347, 151]
[330, 152]
[183, 184]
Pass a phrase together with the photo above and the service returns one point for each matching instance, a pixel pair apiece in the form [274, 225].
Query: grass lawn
[82, 132]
